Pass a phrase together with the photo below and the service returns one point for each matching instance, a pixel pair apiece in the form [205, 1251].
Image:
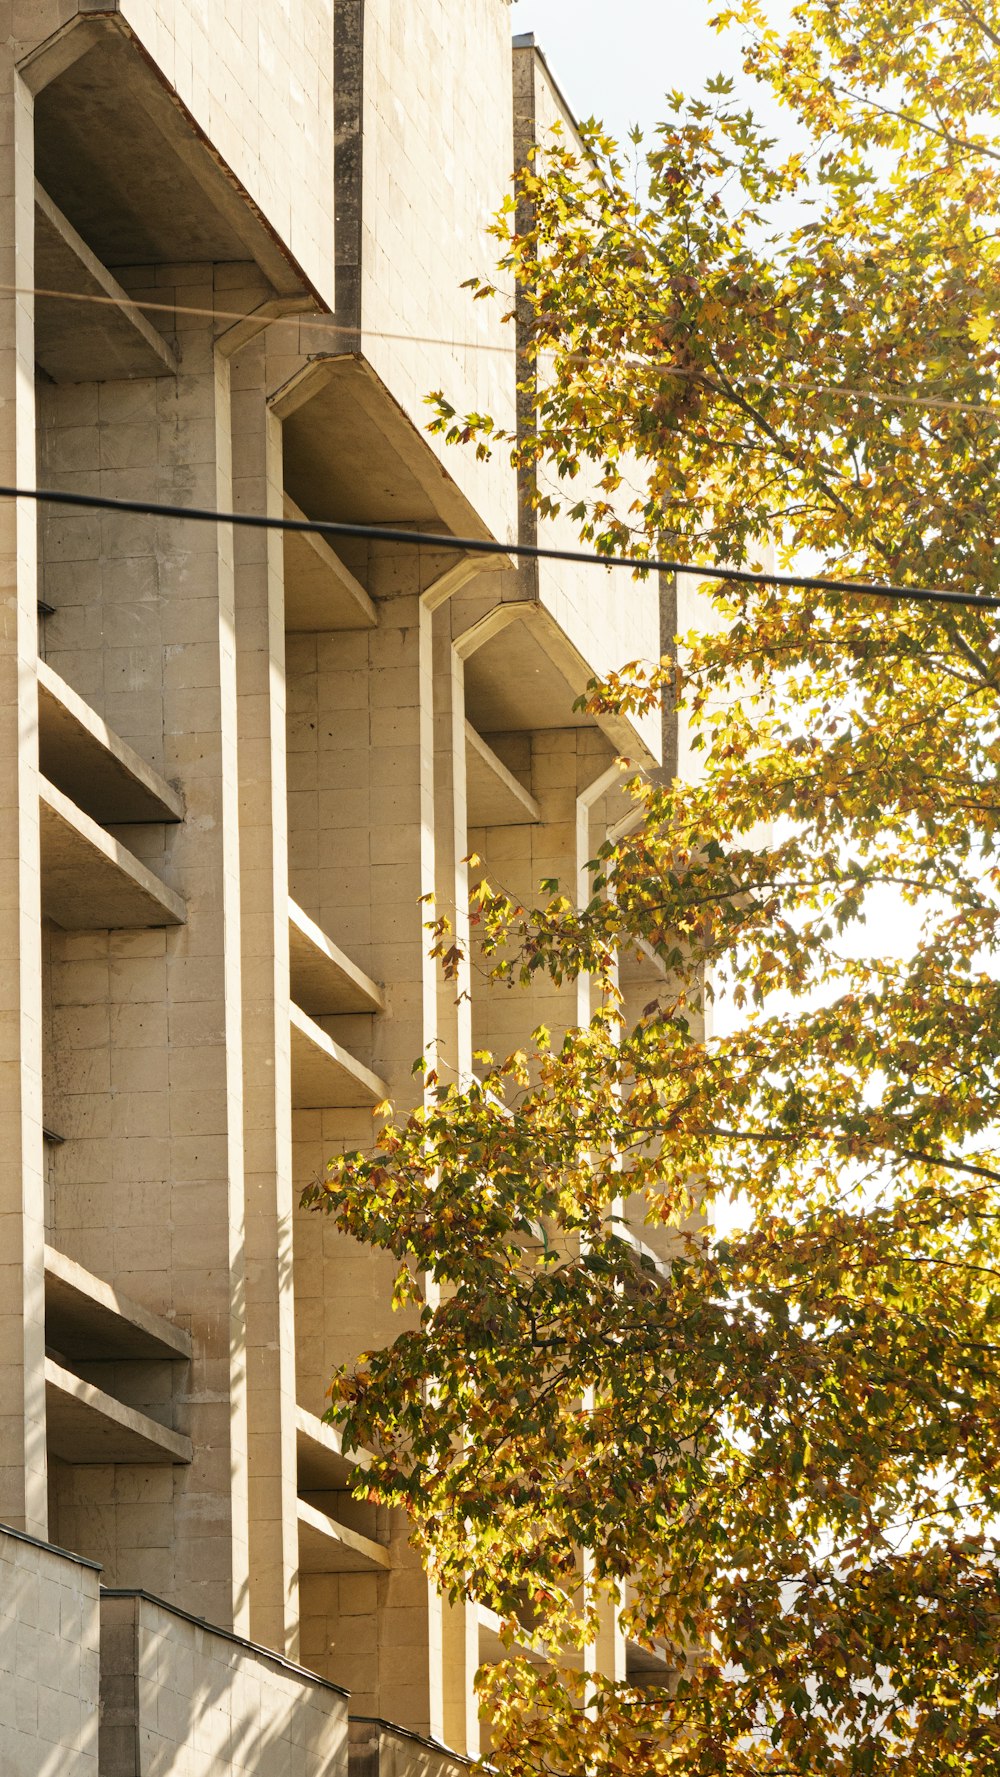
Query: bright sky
[615, 62]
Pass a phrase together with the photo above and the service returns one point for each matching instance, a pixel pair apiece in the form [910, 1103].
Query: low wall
[181, 1697]
[380, 1750]
[49, 1639]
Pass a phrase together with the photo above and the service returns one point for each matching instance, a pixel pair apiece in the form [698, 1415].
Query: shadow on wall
[179, 1699]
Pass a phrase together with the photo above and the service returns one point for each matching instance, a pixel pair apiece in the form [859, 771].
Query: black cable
[328, 527]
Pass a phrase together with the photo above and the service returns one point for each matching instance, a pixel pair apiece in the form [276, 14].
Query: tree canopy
[783, 1442]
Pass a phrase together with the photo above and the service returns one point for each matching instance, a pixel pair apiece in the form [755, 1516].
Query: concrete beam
[523, 673]
[325, 1546]
[496, 799]
[320, 592]
[87, 1426]
[493, 1649]
[90, 882]
[323, 1465]
[169, 197]
[352, 453]
[87, 760]
[326, 1076]
[106, 339]
[324, 981]
[89, 1320]
[459, 574]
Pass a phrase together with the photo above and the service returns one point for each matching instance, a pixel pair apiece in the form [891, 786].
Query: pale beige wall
[203, 1705]
[259, 81]
[438, 151]
[49, 1633]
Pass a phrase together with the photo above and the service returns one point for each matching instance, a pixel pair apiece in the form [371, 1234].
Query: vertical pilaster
[22, 1231]
[457, 1624]
[451, 848]
[260, 634]
[460, 1649]
[403, 868]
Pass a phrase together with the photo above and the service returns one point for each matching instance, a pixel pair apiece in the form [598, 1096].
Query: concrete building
[230, 764]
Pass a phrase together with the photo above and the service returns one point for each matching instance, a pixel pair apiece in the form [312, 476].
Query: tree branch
[919, 123]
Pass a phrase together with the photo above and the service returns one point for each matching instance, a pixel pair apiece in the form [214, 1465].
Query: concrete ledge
[102, 340]
[327, 1546]
[322, 1462]
[493, 1648]
[90, 882]
[495, 797]
[90, 763]
[326, 1076]
[320, 591]
[84, 1315]
[325, 982]
[647, 1668]
[87, 1426]
[352, 452]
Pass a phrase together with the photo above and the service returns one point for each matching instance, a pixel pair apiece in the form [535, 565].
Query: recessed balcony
[324, 1074]
[320, 590]
[101, 773]
[91, 882]
[326, 1546]
[325, 982]
[323, 1464]
[495, 797]
[94, 1322]
[103, 336]
[84, 1425]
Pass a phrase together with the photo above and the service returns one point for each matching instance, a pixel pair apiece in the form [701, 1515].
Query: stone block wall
[377, 1749]
[181, 1698]
[437, 164]
[49, 1632]
[258, 82]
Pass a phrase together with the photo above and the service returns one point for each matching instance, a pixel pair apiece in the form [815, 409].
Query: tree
[786, 1440]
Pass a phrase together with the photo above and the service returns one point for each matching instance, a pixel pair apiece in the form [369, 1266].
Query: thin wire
[881, 397]
[297, 318]
[437, 540]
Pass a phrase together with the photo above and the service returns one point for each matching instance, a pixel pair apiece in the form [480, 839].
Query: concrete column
[460, 1649]
[22, 1328]
[459, 1626]
[451, 848]
[260, 636]
[605, 1658]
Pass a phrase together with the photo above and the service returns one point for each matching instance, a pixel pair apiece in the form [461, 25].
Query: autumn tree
[785, 1439]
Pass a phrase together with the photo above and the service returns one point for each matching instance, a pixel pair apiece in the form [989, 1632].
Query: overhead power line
[446, 540]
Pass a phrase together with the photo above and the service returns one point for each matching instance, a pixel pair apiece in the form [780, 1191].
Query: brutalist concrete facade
[231, 763]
